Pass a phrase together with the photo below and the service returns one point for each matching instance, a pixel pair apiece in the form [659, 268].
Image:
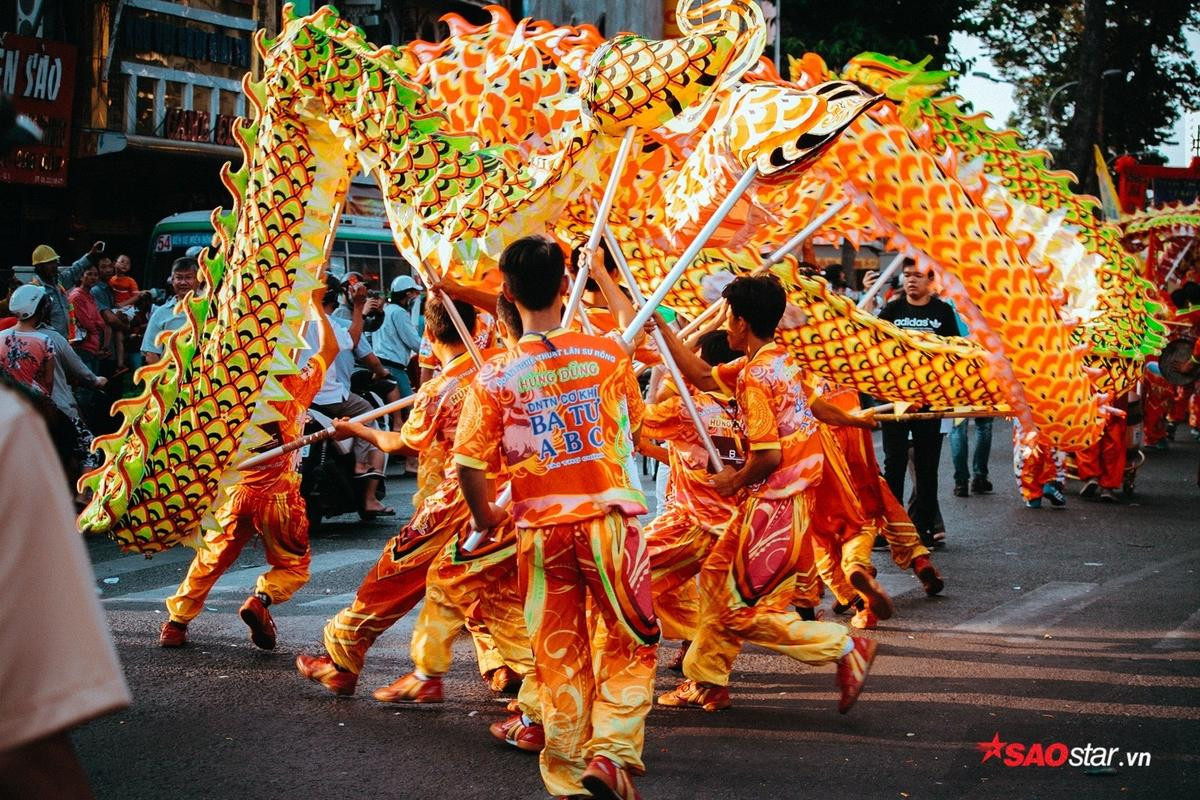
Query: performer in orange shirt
[844, 562]
[749, 578]
[561, 413]
[694, 516]
[266, 501]
[397, 581]
[478, 588]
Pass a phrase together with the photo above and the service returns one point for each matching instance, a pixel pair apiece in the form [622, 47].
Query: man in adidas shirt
[918, 310]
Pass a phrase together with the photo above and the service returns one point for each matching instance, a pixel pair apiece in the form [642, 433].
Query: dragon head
[902, 81]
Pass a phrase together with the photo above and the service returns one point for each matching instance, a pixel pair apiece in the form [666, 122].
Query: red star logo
[991, 749]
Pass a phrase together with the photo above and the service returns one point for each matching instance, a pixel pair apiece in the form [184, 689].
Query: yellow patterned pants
[589, 709]
[397, 581]
[746, 586]
[478, 590]
[677, 543]
[279, 519]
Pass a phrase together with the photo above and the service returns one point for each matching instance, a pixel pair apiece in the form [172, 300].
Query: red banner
[40, 77]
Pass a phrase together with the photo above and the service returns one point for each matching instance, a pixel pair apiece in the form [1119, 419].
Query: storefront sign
[145, 35]
[40, 77]
[188, 125]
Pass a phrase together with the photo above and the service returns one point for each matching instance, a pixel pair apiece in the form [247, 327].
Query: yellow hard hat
[44, 253]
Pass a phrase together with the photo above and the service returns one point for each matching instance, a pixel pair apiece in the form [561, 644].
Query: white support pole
[606, 203]
[780, 254]
[325, 433]
[467, 336]
[689, 255]
[882, 280]
[685, 393]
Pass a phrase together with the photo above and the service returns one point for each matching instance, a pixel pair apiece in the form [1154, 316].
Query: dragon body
[511, 127]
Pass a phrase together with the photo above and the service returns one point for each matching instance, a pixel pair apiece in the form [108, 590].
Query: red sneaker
[322, 670]
[503, 680]
[864, 620]
[173, 634]
[606, 781]
[866, 585]
[258, 619]
[928, 575]
[852, 670]
[693, 694]
[530, 738]
[411, 689]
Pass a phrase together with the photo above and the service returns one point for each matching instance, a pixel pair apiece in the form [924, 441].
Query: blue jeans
[983, 448]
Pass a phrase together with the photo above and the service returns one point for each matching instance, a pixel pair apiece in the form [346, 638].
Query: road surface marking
[243, 580]
[1033, 611]
[135, 563]
[1185, 637]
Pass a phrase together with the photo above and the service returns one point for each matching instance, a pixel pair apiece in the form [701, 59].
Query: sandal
[386, 511]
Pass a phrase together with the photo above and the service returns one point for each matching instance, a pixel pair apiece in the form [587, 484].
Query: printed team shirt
[433, 420]
[559, 413]
[668, 420]
[771, 393]
[303, 387]
[486, 337]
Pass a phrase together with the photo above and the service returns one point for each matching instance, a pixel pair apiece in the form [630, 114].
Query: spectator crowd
[72, 335]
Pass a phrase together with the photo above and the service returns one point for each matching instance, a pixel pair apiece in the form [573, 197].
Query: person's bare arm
[694, 368]
[759, 465]
[622, 310]
[114, 320]
[831, 414]
[387, 441]
[477, 492]
[481, 299]
[378, 371]
[358, 300]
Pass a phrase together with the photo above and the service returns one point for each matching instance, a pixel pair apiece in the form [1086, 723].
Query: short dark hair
[507, 314]
[715, 349]
[184, 264]
[759, 300]
[533, 271]
[333, 287]
[438, 323]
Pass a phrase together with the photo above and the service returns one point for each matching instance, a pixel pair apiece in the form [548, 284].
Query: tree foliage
[838, 31]
[1035, 44]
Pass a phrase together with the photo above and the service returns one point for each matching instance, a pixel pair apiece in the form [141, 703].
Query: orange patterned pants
[279, 518]
[677, 542]
[479, 590]
[746, 586]
[397, 581]
[590, 709]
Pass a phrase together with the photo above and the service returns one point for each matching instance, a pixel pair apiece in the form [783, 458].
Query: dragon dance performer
[846, 566]
[561, 413]
[749, 578]
[478, 588]
[694, 516]
[266, 501]
[1101, 467]
[397, 581]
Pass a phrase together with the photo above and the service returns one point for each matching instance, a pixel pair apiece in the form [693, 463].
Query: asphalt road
[1064, 628]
